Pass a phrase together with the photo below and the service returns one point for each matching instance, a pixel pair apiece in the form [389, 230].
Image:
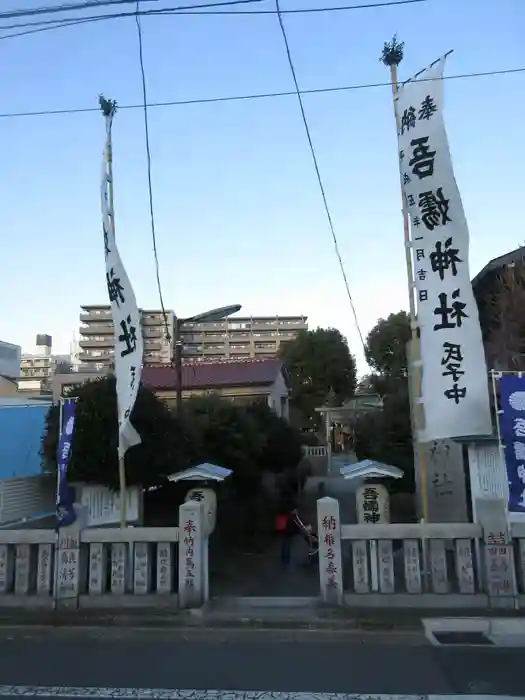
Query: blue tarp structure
[21, 430]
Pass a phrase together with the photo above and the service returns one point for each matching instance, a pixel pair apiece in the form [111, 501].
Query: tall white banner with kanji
[455, 389]
[126, 316]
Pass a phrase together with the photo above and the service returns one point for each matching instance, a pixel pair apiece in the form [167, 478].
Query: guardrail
[314, 450]
[108, 567]
[418, 565]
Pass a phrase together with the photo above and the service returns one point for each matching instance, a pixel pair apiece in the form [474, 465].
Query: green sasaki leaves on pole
[392, 53]
[108, 107]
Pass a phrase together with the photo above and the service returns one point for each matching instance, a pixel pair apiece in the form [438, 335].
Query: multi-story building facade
[37, 366]
[97, 340]
[230, 338]
[240, 337]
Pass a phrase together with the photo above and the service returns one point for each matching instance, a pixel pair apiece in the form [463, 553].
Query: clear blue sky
[239, 215]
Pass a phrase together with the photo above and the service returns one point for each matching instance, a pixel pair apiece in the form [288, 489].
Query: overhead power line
[69, 7]
[318, 175]
[148, 161]
[47, 25]
[258, 96]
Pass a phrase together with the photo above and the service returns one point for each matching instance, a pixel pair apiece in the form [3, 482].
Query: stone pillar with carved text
[191, 555]
[68, 560]
[500, 573]
[68, 564]
[330, 558]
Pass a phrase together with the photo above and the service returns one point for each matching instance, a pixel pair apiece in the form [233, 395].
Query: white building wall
[278, 398]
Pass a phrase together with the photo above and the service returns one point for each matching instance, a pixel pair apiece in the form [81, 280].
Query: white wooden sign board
[103, 505]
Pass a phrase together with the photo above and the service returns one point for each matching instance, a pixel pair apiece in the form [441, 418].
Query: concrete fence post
[192, 561]
[330, 558]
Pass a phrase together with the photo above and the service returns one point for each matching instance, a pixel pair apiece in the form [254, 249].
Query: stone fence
[107, 567]
[419, 565]
[396, 565]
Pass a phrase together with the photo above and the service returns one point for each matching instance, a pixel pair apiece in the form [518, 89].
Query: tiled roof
[204, 375]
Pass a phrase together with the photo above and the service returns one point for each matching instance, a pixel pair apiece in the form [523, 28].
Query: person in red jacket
[287, 526]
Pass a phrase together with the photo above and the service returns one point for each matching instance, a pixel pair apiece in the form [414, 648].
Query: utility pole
[177, 363]
[176, 360]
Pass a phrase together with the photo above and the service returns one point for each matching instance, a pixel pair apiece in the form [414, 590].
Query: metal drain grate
[467, 637]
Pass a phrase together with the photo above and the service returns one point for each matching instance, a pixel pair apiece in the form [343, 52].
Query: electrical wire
[187, 9]
[193, 10]
[148, 161]
[71, 7]
[318, 173]
[49, 25]
[258, 96]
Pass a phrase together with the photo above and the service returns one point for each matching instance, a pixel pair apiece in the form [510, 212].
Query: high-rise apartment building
[240, 337]
[230, 338]
[97, 342]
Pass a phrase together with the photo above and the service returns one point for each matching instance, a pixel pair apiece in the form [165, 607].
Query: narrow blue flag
[512, 432]
[65, 511]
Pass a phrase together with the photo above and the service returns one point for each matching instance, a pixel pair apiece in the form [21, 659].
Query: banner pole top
[108, 107]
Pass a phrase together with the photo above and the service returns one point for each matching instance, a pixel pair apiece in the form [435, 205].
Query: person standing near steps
[288, 534]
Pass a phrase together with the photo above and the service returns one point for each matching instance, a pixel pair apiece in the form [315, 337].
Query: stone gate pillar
[192, 563]
[330, 558]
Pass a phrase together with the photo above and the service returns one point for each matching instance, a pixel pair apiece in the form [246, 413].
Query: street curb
[180, 621]
[321, 619]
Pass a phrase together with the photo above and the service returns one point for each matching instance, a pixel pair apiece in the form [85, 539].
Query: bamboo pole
[121, 461]
[392, 56]
[108, 110]
[57, 526]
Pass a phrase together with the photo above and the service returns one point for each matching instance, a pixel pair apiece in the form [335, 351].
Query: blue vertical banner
[65, 511]
[512, 433]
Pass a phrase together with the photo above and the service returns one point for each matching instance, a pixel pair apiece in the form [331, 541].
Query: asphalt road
[271, 661]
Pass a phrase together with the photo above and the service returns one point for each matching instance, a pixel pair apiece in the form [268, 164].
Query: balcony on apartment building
[153, 345]
[270, 348]
[237, 335]
[97, 329]
[151, 318]
[203, 327]
[35, 361]
[35, 372]
[237, 353]
[93, 315]
[96, 342]
[153, 331]
[262, 324]
[215, 349]
[97, 356]
[216, 338]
